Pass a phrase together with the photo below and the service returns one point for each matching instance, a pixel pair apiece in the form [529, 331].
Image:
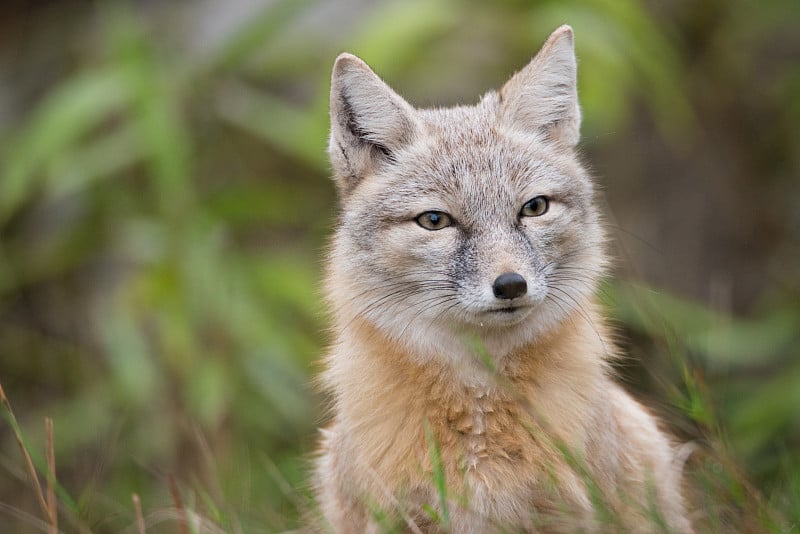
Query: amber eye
[433, 220]
[535, 207]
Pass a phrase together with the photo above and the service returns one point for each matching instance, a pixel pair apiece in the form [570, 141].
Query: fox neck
[478, 357]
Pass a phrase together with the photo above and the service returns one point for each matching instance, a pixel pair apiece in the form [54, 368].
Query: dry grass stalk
[52, 504]
[37, 487]
[176, 499]
[137, 507]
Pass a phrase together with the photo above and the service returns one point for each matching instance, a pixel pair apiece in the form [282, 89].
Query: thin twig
[137, 507]
[176, 499]
[28, 462]
[52, 505]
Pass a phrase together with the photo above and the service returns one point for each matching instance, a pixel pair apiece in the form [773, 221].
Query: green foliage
[163, 210]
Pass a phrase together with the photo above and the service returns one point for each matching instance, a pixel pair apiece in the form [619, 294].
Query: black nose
[509, 286]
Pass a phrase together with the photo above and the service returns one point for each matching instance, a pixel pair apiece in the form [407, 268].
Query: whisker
[413, 319]
[568, 312]
[578, 308]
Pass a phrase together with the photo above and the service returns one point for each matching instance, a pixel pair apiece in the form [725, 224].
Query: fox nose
[509, 286]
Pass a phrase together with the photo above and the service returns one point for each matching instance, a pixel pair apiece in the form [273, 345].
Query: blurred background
[165, 200]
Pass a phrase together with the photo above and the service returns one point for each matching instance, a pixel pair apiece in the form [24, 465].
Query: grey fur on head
[369, 121]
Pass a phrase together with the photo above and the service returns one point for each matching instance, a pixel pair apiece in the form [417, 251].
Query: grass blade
[438, 476]
[137, 507]
[52, 505]
[37, 487]
[176, 499]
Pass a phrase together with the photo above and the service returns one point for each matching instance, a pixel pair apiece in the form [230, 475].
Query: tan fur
[533, 433]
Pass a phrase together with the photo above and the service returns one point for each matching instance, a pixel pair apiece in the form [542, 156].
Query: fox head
[476, 219]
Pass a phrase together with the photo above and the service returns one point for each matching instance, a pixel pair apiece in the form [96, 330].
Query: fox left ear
[543, 96]
[369, 122]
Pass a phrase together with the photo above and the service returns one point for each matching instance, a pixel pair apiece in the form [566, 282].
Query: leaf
[723, 340]
[68, 113]
[293, 131]
[439, 482]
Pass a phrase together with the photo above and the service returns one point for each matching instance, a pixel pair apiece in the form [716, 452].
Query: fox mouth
[508, 310]
[505, 316]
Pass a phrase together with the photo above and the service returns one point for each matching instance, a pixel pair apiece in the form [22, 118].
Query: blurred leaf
[209, 392]
[397, 33]
[723, 340]
[621, 49]
[155, 112]
[266, 204]
[136, 378]
[294, 131]
[70, 112]
[290, 281]
[100, 158]
[256, 33]
[766, 412]
[280, 383]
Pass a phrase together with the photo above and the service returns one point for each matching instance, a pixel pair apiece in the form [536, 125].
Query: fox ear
[369, 121]
[543, 96]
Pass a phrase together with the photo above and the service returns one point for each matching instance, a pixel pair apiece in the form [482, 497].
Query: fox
[469, 370]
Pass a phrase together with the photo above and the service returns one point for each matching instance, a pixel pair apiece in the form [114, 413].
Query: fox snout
[509, 286]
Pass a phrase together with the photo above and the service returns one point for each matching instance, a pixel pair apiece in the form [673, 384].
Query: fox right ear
[543, 96]
[369, 121]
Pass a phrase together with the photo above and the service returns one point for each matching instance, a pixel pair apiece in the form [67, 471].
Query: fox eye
[535, 207]
[433, 220]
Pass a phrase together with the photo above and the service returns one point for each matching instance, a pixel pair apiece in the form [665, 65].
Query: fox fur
[432, 375]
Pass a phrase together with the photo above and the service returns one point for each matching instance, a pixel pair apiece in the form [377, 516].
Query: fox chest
[499, 461]
[495, 444]
[483, 433]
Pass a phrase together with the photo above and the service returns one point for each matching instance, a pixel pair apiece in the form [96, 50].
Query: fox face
[473, 219]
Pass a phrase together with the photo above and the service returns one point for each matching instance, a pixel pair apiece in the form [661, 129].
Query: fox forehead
[465, 159]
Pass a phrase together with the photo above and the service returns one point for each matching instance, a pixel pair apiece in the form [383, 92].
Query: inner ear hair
[350, 122]
[370, 123]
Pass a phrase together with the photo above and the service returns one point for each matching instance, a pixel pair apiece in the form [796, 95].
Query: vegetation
[164, 201]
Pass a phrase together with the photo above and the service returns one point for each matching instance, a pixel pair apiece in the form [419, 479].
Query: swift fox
[469, 374]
